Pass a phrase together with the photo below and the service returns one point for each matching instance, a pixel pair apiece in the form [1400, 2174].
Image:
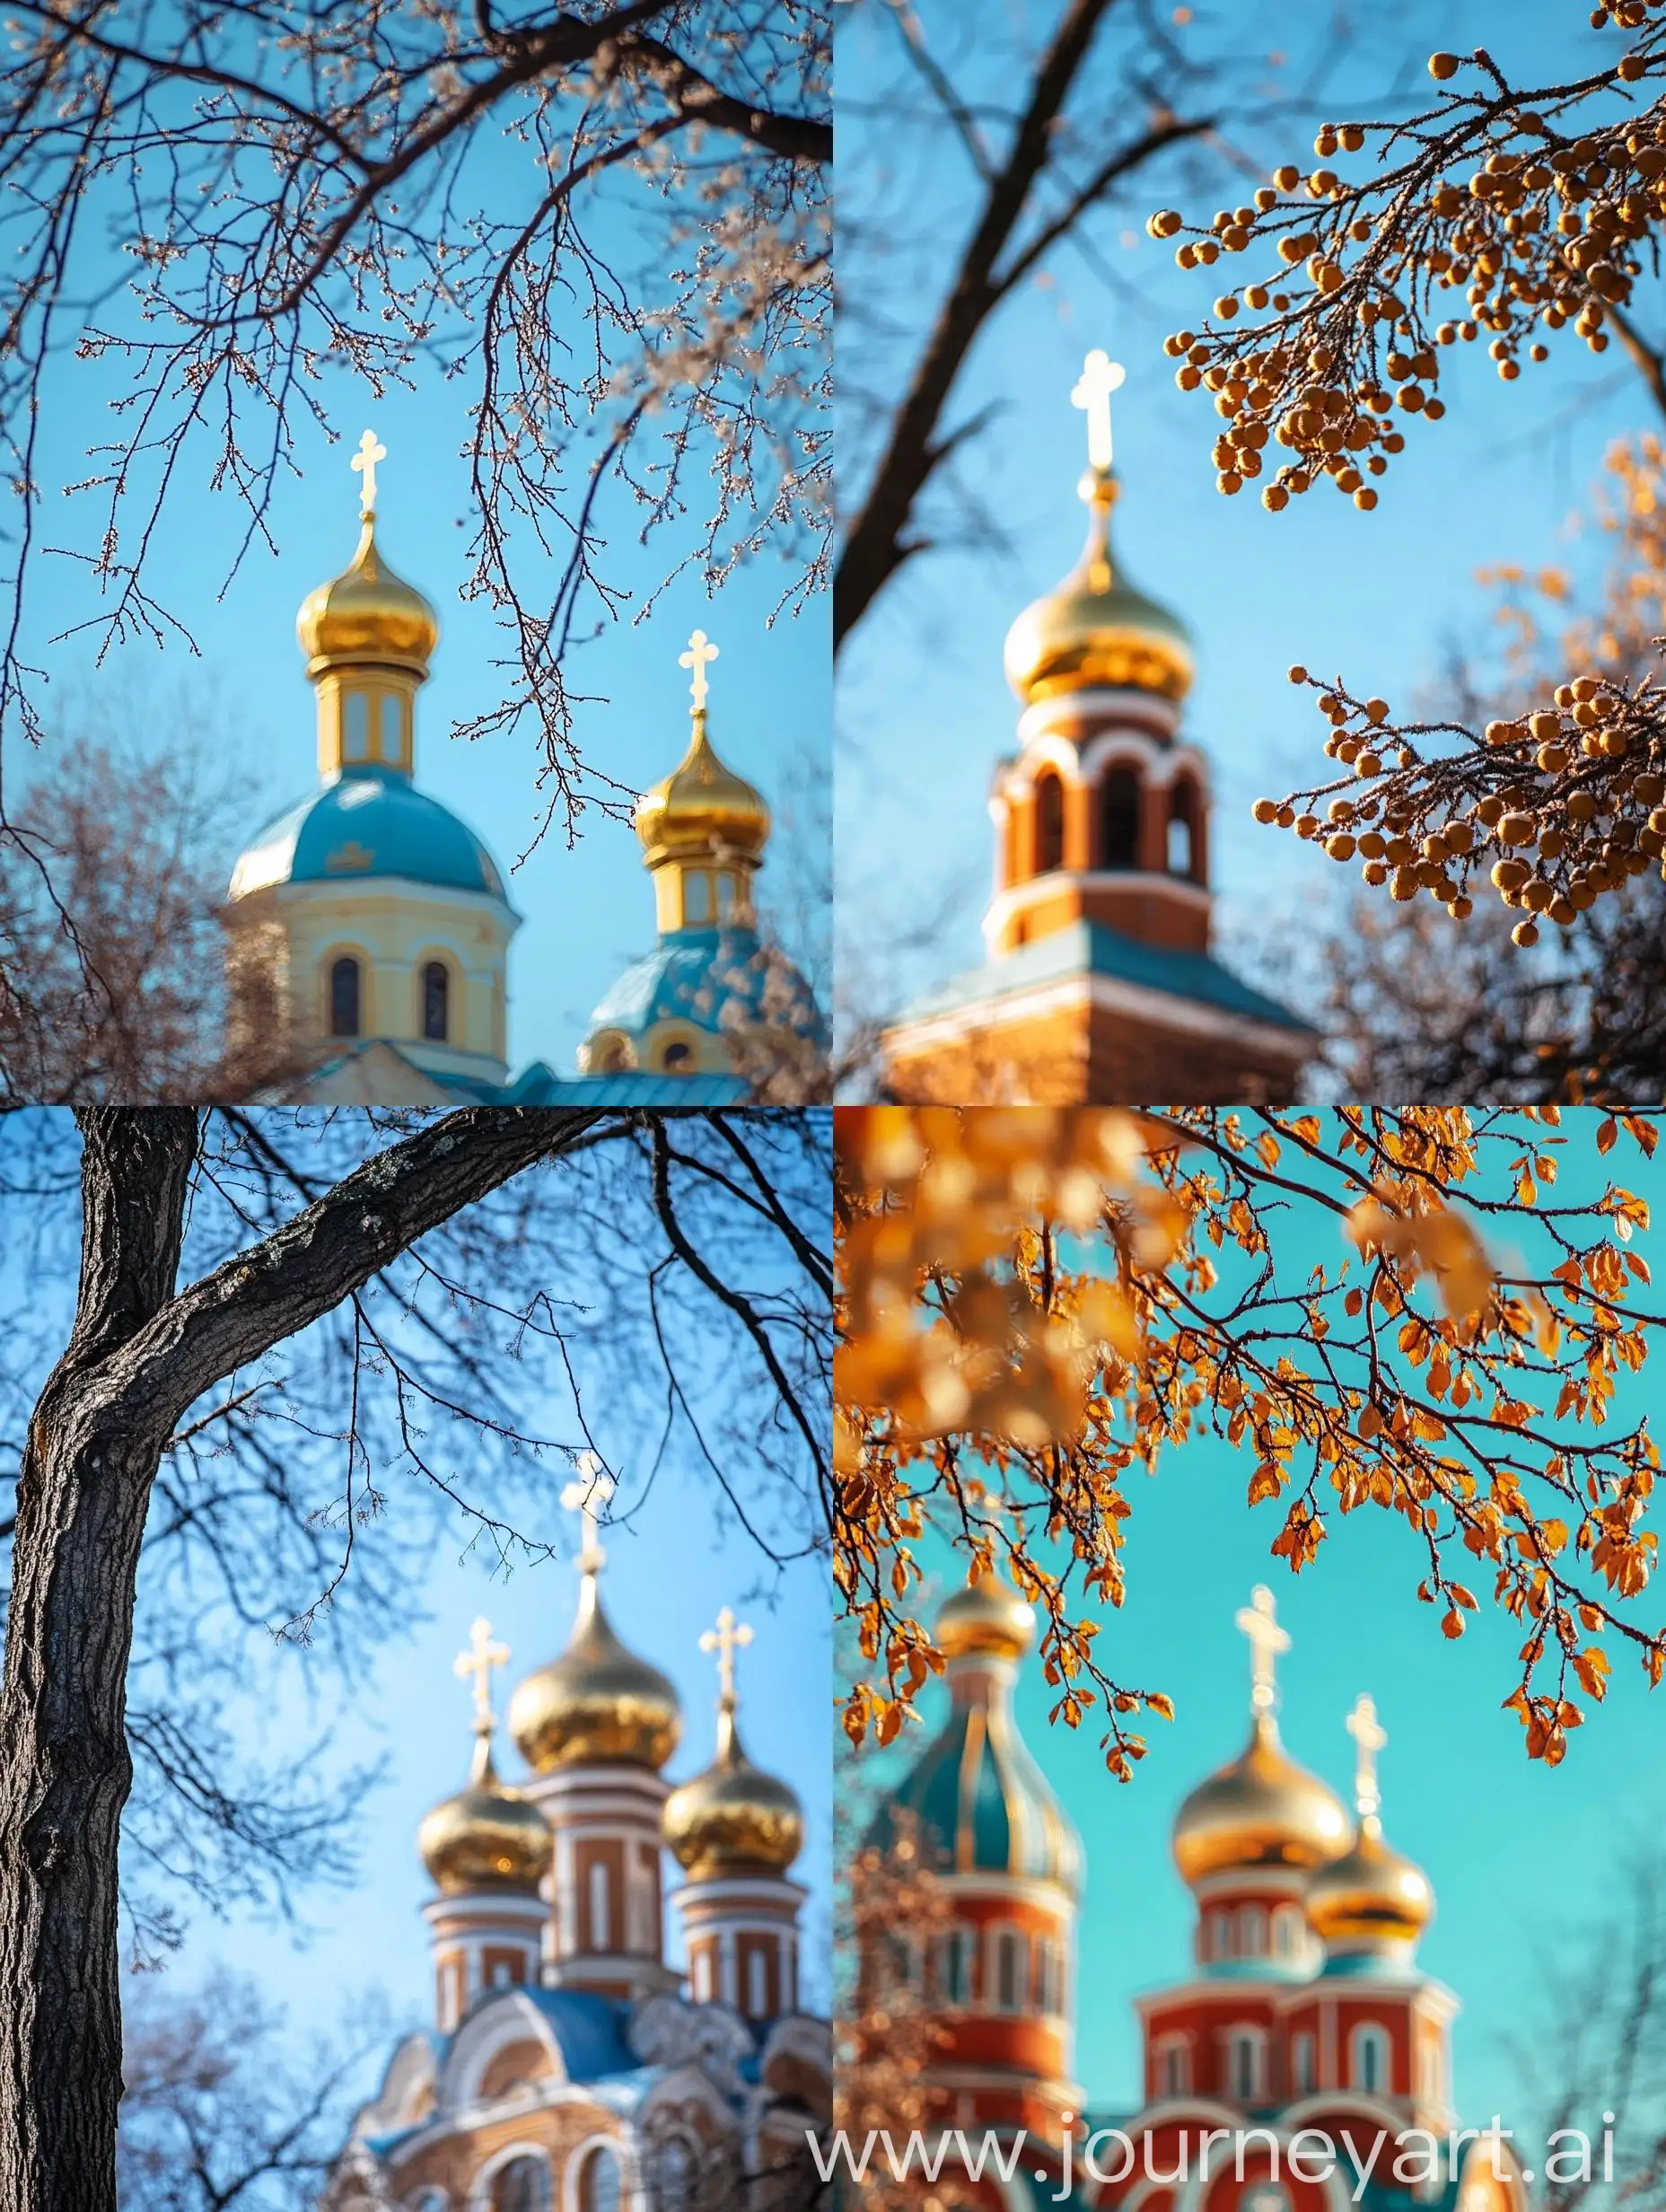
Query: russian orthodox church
[1303, 2007]
[368, 927]
[572, 2066]
[1099, 984]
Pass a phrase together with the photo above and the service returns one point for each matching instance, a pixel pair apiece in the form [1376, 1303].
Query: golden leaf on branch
[1038, 1307]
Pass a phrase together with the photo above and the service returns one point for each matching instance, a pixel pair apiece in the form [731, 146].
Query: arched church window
[1252, 1932]
[390, 732]
[1305, 2075]
[727, 895]
[697, 895]
[1010, 1961]
[1181, 857]
[1246, 2065]
[756, 1983]
[1218, 1943]
[1287, 1926]
[599, 2181]
[1176, 2071]
[1119, 819]
[356, 726]
[436, 991]
[344, 997]
[1049, 822]
[952, 1966]
[674, 2175]
[1368, 2060]
[601, 1907]
[639, 1911]
[678, 1059]
[522, 2185]
[609, 1054]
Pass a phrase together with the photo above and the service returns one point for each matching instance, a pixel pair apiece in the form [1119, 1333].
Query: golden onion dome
[367, 614]
[488, 1837]
[598, 1703]
[734, 1817]
[1095, 629]
[701, 807]
[1261, 1809]
[1370, 1894]
[985, 1619]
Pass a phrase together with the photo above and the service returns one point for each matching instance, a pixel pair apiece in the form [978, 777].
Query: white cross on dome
[725, 1640]
[1369, 1736]
[1101, 376]
[371, 450]
[1258, 1621]
[588, 1494]
[699, 657]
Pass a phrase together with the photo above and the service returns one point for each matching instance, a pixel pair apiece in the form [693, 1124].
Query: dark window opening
[436, 989]
[678, 1059]
[344, 998]
[598, 2183]
[521, 2186]
[1049, 824]
[1119, 819]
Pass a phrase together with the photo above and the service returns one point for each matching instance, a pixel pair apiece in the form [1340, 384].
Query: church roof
[537, 1085]
[1094, 948]
[982, 1802]
[715, 980]
[368, 823]
[589, 2030]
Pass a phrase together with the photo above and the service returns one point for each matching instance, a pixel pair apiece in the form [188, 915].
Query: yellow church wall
[393, 929]
[455, 2162]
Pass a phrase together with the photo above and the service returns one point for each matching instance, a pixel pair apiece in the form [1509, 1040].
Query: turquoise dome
[370, 823]
[714, 980]
[979, 1804]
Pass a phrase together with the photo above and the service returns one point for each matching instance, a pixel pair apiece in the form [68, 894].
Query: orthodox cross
[371, 451]
[1258, 1622]
[1101, 376]
[725, 1640]
[699, 657]
[1363, 1725]
[587, 1496]
[481, 1656]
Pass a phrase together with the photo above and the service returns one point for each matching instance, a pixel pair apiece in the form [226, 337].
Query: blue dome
[979, 1804]
[369, 824]
[717, 980]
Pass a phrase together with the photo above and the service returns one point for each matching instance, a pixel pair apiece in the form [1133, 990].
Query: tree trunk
[140, 1353]
[879, 541]
[64, 1769]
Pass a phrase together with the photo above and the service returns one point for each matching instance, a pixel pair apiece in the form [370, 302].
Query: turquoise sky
[1521, 1857]
[588, 907]
[923, 711]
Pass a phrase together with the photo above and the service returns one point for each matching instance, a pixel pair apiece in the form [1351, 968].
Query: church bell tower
[1099, 984]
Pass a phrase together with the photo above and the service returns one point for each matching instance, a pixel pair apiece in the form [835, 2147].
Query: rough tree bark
[141, 1352]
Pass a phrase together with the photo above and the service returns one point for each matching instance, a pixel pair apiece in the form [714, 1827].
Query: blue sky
[1521, 1857]
[369, 1698]
[588, 909]
[924, 710]
[663, 1584]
